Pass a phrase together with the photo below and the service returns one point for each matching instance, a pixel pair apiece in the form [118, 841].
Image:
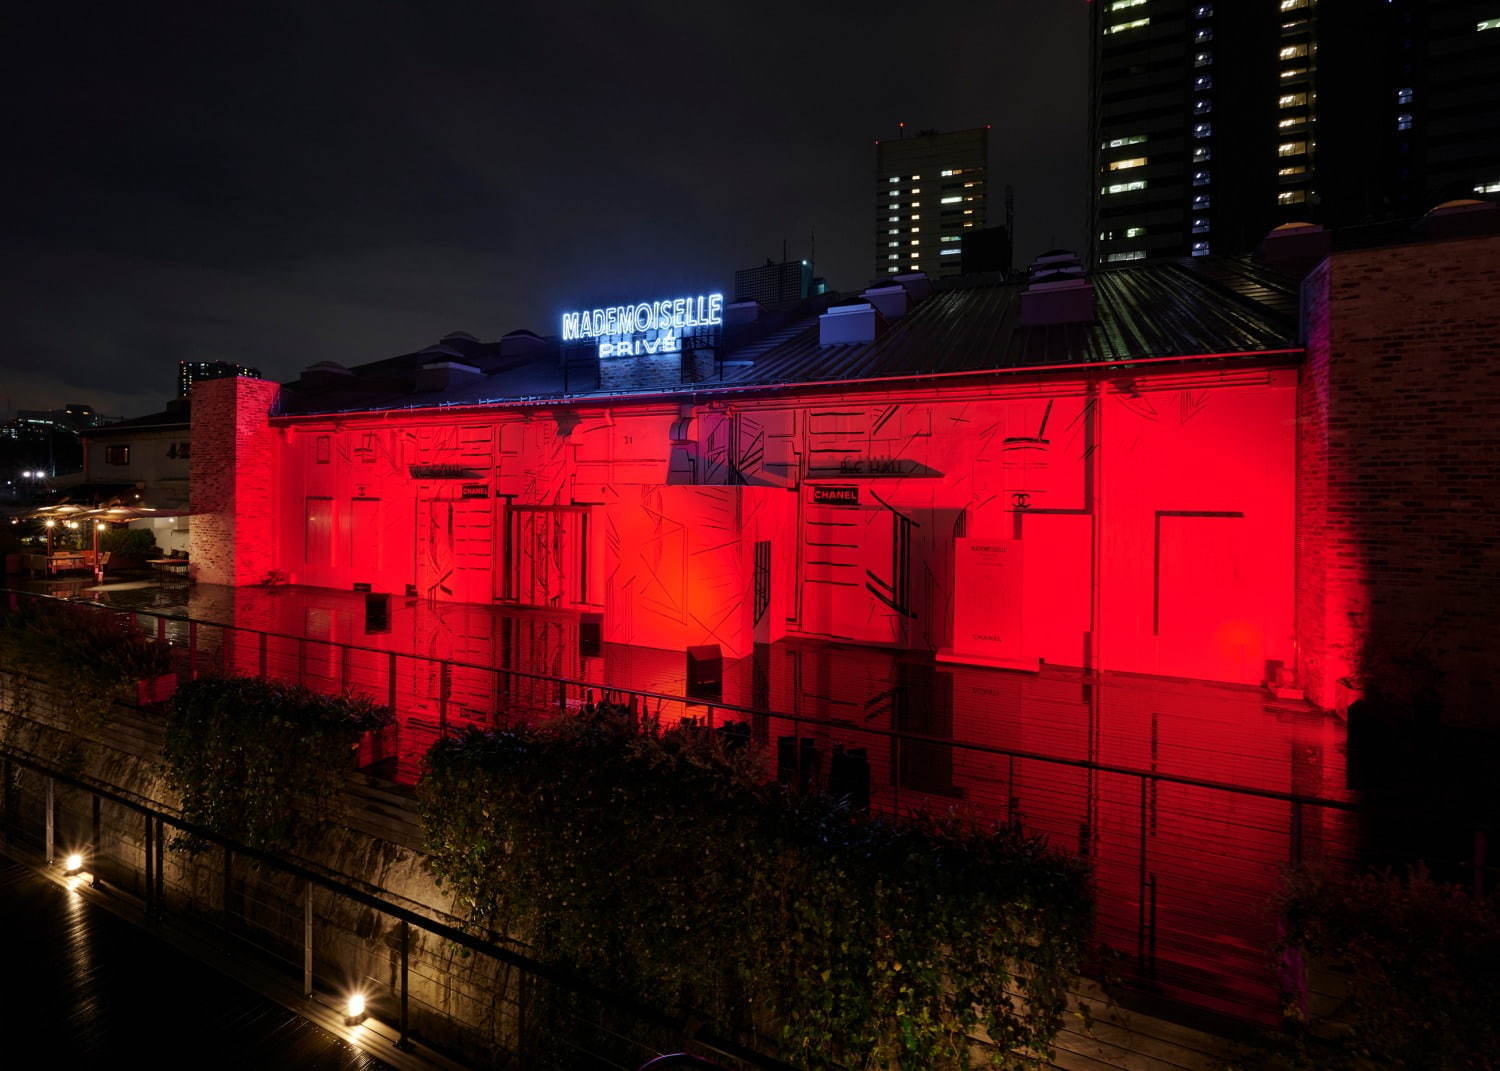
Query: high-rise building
[930, 190]
[189, 372]
[774, 285]
[1214, 122]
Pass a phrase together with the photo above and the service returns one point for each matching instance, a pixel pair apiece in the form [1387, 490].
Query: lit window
[914, 178]
[1116, 143]
[1488, 24]
[1134, 232]
[1121, 27]
[916, 230]
[950, 238]
[1293, 72]
[1126, 165]
[1203, 11]
[1124, 187]
[916, 204]
[1200, 178]
[1202, 107]
[1202, 130]
[1291, 100]
[916, 190]
[916, 241]
[916, 216]
[894, 178]
[1296, 169]
[1291, 148]
[893, 230]
[1292, 51]
[1134, 254]
[1287, 124]
[946, 252]
[1201, 202]
[1488, 187]
[1202, 153]
[1200, 225]
[1200, 249]
[1291, 197]
[1403, 96]
[892, 219]
[117, 455]
[893, 245]
[1292, 5]
[1203, 36]
[951, 200]
[1202, 59]
[968, 212]
[1121, 5]
[1403, 121]
[893, 256]
[1203, 81]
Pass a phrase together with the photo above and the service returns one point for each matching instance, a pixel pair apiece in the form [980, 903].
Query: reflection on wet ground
[88, 989]
[1186, 872]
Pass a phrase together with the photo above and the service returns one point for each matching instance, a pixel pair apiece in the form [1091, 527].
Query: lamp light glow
[73, 863]
[354, 1009]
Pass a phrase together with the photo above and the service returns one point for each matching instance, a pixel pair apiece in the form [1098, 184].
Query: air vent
[846, 325]
[1057, 291]
[440, 375]
[890, 301]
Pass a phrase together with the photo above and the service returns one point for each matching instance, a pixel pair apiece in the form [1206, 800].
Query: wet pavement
[80, 987]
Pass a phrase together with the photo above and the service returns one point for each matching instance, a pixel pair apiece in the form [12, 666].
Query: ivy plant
[92, 656]
[260, 761]
[669, 866]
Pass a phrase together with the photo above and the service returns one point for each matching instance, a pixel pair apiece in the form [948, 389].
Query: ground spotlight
[73, 863]
[354, 1009]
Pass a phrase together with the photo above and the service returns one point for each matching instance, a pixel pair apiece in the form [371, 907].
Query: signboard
[987, 619]
[836, 496]
[645, 327]
[475, 490]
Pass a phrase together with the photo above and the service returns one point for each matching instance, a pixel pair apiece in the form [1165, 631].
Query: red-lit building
[1205, 469]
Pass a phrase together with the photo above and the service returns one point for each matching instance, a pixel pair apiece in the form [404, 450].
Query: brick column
[234, 475]
[1398, 498]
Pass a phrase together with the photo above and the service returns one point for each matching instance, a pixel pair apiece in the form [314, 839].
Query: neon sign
[647, 327]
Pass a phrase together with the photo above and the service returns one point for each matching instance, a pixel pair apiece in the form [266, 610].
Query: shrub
[666, 866]
[1422, 963]
[93, 655]
[260, 761]
[129, 542]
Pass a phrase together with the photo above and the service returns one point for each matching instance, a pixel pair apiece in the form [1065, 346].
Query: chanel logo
[1020, 500]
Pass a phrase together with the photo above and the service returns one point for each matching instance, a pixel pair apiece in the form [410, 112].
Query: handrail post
[264, 656]
[95, 838]
[390, 682]
[150, 878]
[228, 878]
[51, 820]
[307, 939]
[161, 843]
[192, 649]
[1140, 937]
[404, 1042]
[443, 699]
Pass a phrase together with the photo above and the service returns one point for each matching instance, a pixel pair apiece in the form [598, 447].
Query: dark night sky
[291, 182]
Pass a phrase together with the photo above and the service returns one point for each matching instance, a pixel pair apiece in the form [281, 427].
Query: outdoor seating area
[65, 561]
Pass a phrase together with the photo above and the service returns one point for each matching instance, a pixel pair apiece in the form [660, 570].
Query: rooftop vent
[889, 300]
[521, 343]
[324, 375]
[1057, 291]
[1463, 218]
[440, 375]
[1296, 247]
[846, 325]
[741, 312]
[917, 285]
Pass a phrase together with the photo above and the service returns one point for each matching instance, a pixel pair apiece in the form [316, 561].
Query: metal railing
[300, 918]
[1185, 867]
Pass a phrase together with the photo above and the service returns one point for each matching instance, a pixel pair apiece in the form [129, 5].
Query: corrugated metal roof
[1159, 309]
[1170, 308]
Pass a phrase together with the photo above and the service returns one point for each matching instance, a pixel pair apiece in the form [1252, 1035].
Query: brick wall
[1399, 469]
[235, 453]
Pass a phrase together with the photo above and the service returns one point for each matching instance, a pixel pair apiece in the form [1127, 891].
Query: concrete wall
[234, 500]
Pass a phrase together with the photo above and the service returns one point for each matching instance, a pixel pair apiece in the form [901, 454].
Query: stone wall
[1399, 471]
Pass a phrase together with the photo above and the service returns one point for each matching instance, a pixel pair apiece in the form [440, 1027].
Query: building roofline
[553, 401]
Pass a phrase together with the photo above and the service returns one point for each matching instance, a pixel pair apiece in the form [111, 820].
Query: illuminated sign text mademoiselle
[647, 327]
